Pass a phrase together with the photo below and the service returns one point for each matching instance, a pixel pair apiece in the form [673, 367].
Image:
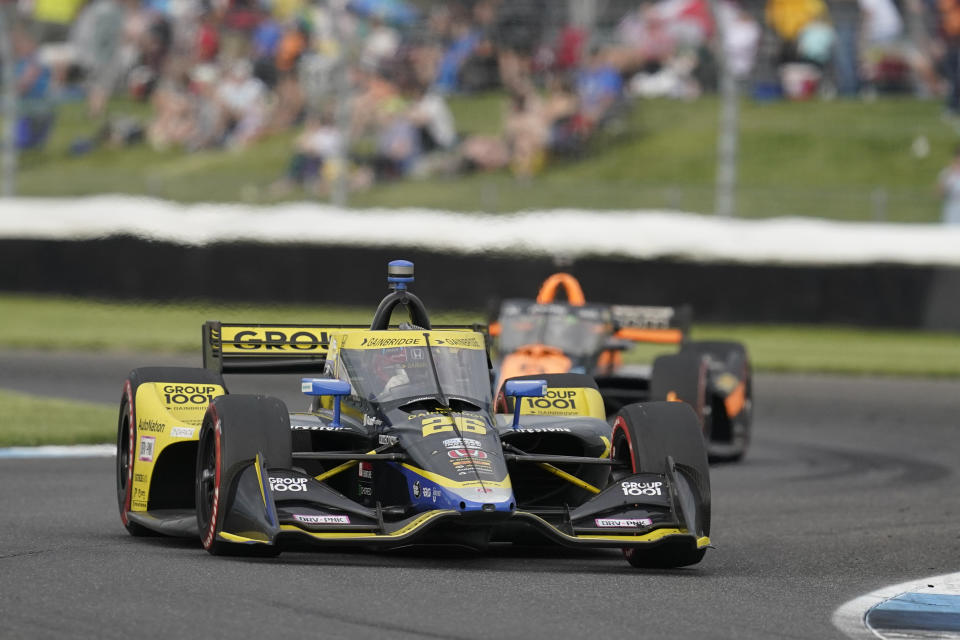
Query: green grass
[67, 323]
[63, 323]
[31, 420]
[844, 159]
[846, 350]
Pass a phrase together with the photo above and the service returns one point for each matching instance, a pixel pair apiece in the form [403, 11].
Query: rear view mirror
[324, 387]
[327, 387]
[523, 389]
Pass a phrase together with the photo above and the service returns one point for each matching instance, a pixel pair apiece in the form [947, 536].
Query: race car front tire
[644, 435]
[236, 429]
[127, 429]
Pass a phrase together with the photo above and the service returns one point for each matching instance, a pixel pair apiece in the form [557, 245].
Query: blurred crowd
[366, 83]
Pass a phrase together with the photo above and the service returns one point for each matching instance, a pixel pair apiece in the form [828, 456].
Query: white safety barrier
[561, 232]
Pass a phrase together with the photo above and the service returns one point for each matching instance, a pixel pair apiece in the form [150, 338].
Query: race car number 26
[440, 424]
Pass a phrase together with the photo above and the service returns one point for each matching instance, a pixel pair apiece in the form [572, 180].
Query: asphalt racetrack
[850, 485]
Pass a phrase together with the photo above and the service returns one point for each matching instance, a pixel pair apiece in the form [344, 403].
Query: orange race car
[550, 336]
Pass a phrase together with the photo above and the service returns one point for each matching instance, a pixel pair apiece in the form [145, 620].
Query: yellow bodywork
[166, 413]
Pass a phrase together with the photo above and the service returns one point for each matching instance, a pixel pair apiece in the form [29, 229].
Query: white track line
[56, 451]
[850, 617]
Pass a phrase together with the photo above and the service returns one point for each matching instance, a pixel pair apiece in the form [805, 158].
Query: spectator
[950, 30]
[35, 109]
[52, 19]
[173, 122]
[806, 43]
[741, 39]
[98, 36]
[789, 17]
[560, 110]
[599, 88]
[527, 134]
[380, 45]
[465, 40]
[206, 45]
[434, 121]
[398, 142]
[949, 183]
[207, 121]
[317, 153]
[846, 62]
[243, 99]
[890, 55]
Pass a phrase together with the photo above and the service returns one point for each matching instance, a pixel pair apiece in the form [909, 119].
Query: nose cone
[483, 499]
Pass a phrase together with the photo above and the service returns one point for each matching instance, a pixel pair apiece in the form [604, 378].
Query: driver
[401, 366]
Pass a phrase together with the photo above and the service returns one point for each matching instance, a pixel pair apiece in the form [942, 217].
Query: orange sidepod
[735, 401]
[609, 360]
[548, 290]
[659, 336]
[534, 359]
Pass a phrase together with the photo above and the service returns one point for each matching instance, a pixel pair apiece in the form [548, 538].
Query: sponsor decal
[138, 505]
[391, 342]
[462, 443]
[469, 342]
[366, 491]
[478, 454]
[388, 439]
[623, 522]
[641, 488]
[371, 421]
[314, 427]
[139, 477]
[288, 484]
[644, 317]
[182, 432]
[146, 448]
[306, 387]
[544, 430]
[480, 492]
[189, 393]
[416, 489]
[464, 466]
[441, 424]
[150, 426]
[426, 491]
[561, 399]
[277, 340]
[365, 470]
[316, 519]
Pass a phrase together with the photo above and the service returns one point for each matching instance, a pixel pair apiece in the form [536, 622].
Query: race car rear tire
[643, 436]
[235, 430]
[729, 437]
[127, 429]
[681, 377]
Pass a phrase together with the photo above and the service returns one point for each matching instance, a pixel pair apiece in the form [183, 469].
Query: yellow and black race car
[402, 445]
[547, 335]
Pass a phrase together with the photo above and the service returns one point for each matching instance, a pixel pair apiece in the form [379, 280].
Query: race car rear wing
[279, 348]
[662, 325]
